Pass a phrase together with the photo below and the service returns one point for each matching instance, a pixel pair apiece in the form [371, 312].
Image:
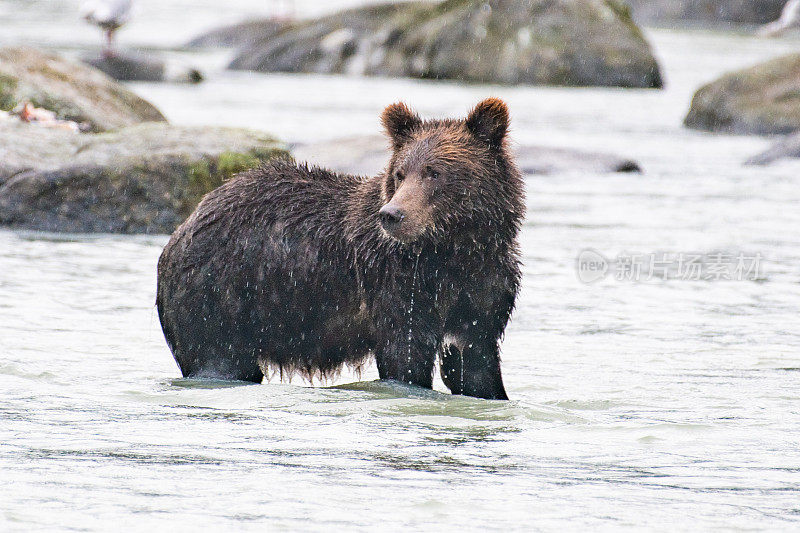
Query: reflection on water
[660, 404]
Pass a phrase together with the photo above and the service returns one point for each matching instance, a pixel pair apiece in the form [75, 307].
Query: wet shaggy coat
[287, 268]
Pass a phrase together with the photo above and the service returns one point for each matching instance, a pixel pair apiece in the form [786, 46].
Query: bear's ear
[489, 121]
[399, 121]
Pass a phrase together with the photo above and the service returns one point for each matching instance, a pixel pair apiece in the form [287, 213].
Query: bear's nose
[391, 216]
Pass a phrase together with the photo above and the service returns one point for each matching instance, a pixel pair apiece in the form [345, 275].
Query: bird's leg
[108, 51]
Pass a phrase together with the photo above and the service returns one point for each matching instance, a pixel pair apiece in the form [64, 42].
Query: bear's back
[291, 212]
[282, 191]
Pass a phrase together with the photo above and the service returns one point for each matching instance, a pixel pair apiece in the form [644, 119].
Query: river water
[636, 403]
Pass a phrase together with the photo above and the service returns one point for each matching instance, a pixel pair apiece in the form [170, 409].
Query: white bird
[109, 15]
[790, 18]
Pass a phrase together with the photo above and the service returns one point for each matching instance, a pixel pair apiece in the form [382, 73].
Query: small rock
[761, 100]
[137, 67]
[546, 160]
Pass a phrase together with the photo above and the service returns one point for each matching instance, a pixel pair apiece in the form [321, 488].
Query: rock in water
[549, 42]
[715, 12]
[136, 67]
[127, 67]
[547, 160]
[785, 148]
[75, 92]
[140, 179]
[763, 99]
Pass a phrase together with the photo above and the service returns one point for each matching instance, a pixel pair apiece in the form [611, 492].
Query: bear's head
[449, 178]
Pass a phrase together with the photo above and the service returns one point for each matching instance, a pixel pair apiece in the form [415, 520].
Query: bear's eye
[398, 179]
[431, 173]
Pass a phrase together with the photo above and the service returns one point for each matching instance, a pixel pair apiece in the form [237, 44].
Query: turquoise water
[665, 405]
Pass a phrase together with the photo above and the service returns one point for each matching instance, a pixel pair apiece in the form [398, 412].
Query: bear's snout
[408, 213]
[391, 216]
[398, 223]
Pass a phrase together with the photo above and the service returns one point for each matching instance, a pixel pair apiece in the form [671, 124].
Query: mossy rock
[538, 42]
[141, 179]
[71, 90]
[764, 99]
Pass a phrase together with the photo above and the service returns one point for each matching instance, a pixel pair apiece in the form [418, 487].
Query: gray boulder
[141, 179]
[368, 155]
[73, 91]
[763, 99]
[551, 42]
[706, 12]
[789, 147]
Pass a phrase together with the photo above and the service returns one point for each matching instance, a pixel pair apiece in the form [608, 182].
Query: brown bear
[295, 269]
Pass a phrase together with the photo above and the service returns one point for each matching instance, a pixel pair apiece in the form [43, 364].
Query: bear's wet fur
[293, 269]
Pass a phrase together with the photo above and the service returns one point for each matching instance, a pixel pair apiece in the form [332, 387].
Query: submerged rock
[73, 91]
[763, 99]
[368, 155]
[137, 67]
[140, 179]
[127, 67]
[553, 42]
[713, 12]
[547, 160]
[788, 147]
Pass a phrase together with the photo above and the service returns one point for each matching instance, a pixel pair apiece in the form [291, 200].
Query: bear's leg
[220, 364]
[472, 368]
[408, 355]
[451, 368]
[415, 368]
[470, 357]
